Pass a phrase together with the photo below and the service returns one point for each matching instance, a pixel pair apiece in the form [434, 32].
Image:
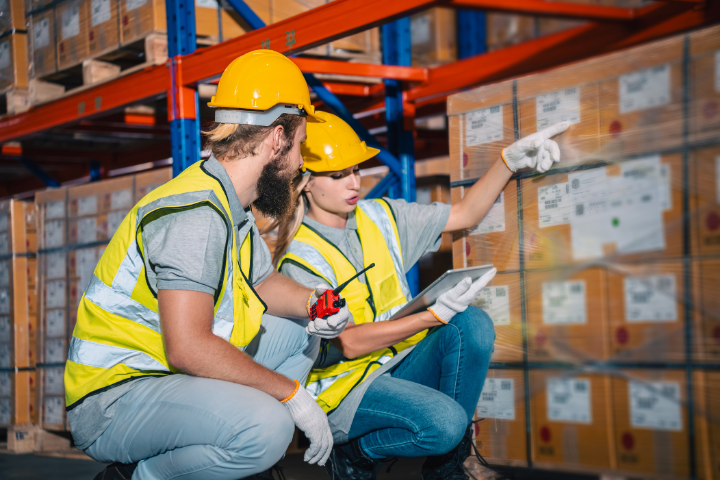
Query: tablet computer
[446, 281]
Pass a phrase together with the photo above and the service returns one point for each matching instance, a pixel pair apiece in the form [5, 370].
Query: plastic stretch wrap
[606, 306]
[13, 61]
[42, 43]
[76, 224]
[18, 318]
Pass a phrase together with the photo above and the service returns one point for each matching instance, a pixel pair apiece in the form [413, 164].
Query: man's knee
[450, 423]
[477, 325]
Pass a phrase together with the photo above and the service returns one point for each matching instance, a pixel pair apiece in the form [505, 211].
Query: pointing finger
[553, 130]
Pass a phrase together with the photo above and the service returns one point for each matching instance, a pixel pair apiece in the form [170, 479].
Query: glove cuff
[442, 312]
[436, 316]
[502, 155]
[297, 387]
[307, 307]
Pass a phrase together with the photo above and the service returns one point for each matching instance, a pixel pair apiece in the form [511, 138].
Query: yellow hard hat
[258, 87]
[333, 145]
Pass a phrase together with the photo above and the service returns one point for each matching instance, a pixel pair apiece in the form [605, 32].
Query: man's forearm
[284, 296]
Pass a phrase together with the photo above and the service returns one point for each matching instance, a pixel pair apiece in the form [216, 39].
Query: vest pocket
[389, 292]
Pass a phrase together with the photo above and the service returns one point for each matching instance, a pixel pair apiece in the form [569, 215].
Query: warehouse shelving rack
[406, 93]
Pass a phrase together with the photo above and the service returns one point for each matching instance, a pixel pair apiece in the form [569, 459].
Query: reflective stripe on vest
[385, 292]
[118, 335]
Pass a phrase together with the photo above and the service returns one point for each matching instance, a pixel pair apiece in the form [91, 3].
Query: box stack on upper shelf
[76, 225]
[433, 37]
[13, 53]
[18, 318]
[610, 259]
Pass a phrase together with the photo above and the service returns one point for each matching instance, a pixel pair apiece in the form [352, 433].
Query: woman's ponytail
[288, 226]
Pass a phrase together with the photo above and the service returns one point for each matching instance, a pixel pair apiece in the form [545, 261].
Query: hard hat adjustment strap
[261, 118]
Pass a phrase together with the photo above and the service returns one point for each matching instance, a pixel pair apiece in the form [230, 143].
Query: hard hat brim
[369, 153]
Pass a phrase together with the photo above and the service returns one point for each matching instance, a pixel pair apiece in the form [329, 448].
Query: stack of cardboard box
[606, 263]
[13, 52]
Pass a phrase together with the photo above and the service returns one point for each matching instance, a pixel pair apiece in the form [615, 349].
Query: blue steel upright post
[471, 33]
[182, 101]
[396, 49]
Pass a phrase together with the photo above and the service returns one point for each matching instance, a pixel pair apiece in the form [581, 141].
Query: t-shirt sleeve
[301, 275]
[185, 250]
[262, 260]
[420, 228]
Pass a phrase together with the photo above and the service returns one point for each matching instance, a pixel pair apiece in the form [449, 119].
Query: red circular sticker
[710, 109]
[467, 248]
[716, 334]
[615, 128]
[622, 335]
[465, 159]
[712, 221]
[628, 441]
[545, 434]
[540, 338]
[92, 35]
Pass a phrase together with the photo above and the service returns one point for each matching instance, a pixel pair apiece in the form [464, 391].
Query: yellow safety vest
[385, 292]
[118, 336]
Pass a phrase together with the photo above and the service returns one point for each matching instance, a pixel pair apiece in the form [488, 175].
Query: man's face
[274, 187]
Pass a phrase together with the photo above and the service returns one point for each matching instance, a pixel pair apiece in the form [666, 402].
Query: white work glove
[457, 299]
[310, 418]
[330, 327]
[536, 150]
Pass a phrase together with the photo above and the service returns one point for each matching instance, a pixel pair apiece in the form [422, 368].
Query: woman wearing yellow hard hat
[423, 406]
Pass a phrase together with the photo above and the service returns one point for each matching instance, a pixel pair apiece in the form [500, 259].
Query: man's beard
[274, 189]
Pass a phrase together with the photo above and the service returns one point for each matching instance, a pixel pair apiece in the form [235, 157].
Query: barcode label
[497, 399]
[650, 298]
[655, 405]
[484, 126]
[568, 400]
[496, 303]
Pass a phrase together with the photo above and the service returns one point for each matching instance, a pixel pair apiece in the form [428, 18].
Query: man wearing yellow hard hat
[407, 387]
[190, 353]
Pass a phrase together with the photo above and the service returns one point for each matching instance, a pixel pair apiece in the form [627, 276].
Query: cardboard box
[433, 37]
[623, 212]
[506, 29]
[13, 15]
[650, 431]
[13, 61]
[571, 421]
[705, 94]
[52, 398]
[72, 19]
[501, 436]
[707, 396]
[103, 31]
[206, 21]
[495, 239]
[149, 181]
[481, 124]
[567, 315]
[705, 281]
[43, 56]
[705, 198]
[139, 18]
[501, 300]
[646, 302]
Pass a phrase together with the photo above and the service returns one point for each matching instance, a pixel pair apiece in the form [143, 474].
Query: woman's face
[335, 192]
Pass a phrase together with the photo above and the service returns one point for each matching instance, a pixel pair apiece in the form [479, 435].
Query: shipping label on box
[495, 300]
[4, 243]
[497, 399]
[4, 273]
[494, 220]
[4, 301]
[650, 298]
[133, 4]
[5, 54]
[53, 381]
[54, 409]
[568, 400]
[554, 205]
[87, 230]
[5, 355]
[55, 350]
[55, 210]
[5, 384]
[655, 405]
[41, 34]
[4, 222]
[56, 267]
[86, 262]
[484, 126]
[5, 330]
[54, 233]
[55, 323]
[564, 303]
[71, 21]
[87, 205]
[5, 411]
[100, 12]
[560, 106]
[121, 199]
[645, 89]
[55, 297]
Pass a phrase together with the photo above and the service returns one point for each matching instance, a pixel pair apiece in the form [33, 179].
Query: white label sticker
[484, 126]
[121, 199]
[5, 411]
[655, 405]
[5, 54]
[101, 11]
[717, 70]
[568, 400]
[5, 355]
[5, 328]
[420, 29]
[41, 34]
[55, 210]
[717, 178]
[622, 211]
[495, 300]
[54, 383]
[564, 303]
[650, 298]
[86, 262]
[54, 408]
[55, 294]
[133, 4]
[54, 350]
[114, 221]
[71, 21]
[54, 233]
[560, 106]
[554, 205]
[4, 243]
[55, 323]
[87, 205]
[4, 222]
[665, 187]
[645, 89]
[4, 301]
[87, 230]
[5, 384]
[494, 221]
[497, 399]
[56, 265]
[4, 273]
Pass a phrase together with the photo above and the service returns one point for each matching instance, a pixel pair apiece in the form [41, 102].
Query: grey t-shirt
[184, 251]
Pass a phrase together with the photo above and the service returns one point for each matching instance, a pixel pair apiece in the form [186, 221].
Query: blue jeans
[424, 406]
[185, 427]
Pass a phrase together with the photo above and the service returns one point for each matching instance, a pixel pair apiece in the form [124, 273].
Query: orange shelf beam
[551, 9]
[391, 72]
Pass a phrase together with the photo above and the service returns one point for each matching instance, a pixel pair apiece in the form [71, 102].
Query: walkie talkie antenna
[340, 287]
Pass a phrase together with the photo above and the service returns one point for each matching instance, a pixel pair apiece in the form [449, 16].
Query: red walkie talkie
[330, 302]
